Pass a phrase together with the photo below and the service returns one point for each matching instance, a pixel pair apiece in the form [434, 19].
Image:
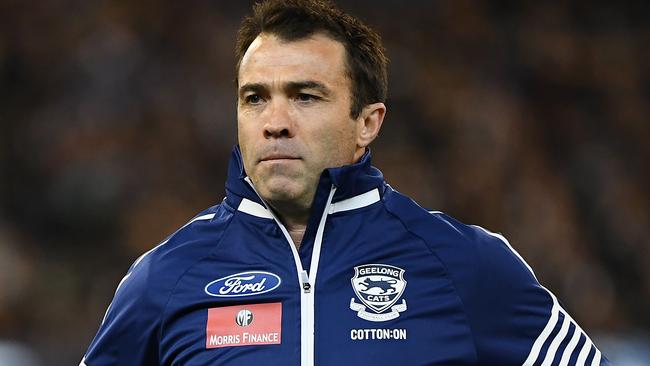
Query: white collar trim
[254, 208]
[352, 203]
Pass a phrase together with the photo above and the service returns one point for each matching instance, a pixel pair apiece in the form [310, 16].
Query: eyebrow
[291, 86]
[308, 84]
[251, 87]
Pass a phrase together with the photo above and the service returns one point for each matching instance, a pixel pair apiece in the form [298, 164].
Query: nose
[279, 120]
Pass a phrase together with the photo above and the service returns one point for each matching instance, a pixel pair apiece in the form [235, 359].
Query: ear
[369, 123]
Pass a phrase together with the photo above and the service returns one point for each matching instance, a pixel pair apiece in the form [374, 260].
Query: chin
[280, 196]
[280, 191]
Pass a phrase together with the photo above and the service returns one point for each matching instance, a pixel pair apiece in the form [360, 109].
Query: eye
[253, 99]
[303, 97]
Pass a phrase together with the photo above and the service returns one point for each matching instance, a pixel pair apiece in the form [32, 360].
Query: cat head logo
[378, 287]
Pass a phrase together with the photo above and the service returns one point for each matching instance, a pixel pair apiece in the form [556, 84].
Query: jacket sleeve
[128, 332]
[514, 319]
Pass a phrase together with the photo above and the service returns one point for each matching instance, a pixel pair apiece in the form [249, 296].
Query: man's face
[293, 116]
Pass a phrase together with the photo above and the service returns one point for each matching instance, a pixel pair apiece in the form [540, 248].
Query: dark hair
[292, 20]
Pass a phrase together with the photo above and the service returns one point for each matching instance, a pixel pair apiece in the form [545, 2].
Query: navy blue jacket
[378, 280]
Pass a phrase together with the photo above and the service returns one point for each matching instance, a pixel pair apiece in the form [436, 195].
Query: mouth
[278, 157]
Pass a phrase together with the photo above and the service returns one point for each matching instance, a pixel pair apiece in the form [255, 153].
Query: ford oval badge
[243, 284]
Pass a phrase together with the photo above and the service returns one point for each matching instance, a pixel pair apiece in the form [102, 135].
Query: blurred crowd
[117, 120]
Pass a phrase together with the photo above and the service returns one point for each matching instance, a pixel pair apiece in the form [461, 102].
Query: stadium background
[528, 118]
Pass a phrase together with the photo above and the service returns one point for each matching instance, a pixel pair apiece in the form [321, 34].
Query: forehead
[270, 59]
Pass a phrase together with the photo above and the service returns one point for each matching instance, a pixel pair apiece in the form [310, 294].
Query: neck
[295, 227]
[297, 233]
[294, 220]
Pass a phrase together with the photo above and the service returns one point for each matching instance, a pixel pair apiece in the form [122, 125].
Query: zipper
[309, 288]
[307, 281]
[304, 278]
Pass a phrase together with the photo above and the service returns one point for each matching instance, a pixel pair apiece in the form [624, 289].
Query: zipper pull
[306, 286]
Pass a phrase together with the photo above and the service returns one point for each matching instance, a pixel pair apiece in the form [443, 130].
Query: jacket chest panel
[371, 316]
[380, 297]
[237, 310]
[383, 298]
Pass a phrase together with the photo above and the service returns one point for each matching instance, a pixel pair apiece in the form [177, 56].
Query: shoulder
[153, 275]
[513, 318]
[162, 265]
[466, 251]
[128, 332]
[491, 279]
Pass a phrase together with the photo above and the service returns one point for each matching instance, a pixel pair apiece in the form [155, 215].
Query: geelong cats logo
[379, 287]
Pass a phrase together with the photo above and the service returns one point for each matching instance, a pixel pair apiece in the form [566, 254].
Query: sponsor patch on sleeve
[244, 325]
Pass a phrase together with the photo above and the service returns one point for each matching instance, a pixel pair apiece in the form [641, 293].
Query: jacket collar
[350, 181]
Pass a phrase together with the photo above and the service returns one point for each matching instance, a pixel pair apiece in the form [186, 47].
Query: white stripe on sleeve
[552, 349]
[551, 324]
[568, 351]
[596, 360]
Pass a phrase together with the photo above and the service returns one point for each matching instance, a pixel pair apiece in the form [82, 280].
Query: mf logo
[244, 318]
[378, 287]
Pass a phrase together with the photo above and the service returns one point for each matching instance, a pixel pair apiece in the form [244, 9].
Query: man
[312, 259]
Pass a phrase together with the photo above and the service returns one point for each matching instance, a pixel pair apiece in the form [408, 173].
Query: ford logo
[243, 284]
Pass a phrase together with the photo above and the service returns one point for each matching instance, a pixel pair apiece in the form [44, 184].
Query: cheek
[337, 144]
[246, 142]
[248, 128]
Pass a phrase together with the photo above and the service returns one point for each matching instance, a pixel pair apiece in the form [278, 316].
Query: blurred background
[117, 120]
